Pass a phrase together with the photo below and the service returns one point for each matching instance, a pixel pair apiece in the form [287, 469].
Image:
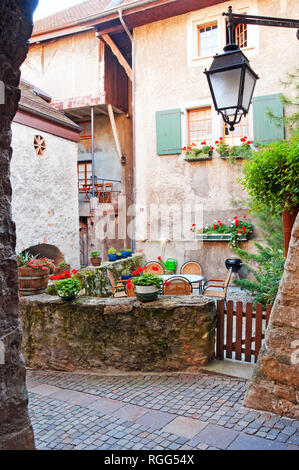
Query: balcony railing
[103, 189]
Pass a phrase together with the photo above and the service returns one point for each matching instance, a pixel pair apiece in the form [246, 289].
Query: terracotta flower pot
[32, 281]
[96, 261]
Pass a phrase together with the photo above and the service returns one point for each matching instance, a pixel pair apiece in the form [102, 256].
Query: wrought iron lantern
[231, 81]
[230, 77]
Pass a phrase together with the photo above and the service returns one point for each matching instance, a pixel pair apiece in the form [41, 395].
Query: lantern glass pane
[226, 87]
[249, 84]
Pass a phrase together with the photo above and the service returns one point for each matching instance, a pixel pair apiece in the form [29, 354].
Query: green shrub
[271, 177]
[267, 264]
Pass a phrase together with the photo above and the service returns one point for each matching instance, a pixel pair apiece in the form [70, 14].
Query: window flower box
[195, 154]
[234, 231]
[218, 237]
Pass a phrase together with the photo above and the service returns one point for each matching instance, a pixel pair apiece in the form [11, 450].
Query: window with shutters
[241, 130]
[207, 40]
[84, 174]
[200, 126]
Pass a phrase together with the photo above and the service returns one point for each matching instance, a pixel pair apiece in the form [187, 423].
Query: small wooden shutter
[267, 130]
[168, 129]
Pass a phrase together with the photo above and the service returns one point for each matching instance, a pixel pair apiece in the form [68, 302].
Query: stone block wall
[275, 383]
[172, 333]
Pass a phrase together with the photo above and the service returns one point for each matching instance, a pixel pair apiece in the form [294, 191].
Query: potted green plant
[123, 253]
[193, 153]
[129, 253]
[147, 287]
[112, 254]
[33, 274]
[68, 289]
[118, 255]
[126, 274]
[95, 258]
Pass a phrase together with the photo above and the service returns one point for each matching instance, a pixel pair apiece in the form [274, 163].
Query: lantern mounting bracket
[235, 19]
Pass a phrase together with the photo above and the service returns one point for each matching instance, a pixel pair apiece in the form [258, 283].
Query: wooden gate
[240, 332]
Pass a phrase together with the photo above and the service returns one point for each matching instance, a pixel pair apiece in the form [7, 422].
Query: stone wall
[275, 382]
[45, 193]
[15, 428]
[172, 333]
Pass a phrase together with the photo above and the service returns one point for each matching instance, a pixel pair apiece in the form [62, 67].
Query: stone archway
[46, 251]
[15, 427]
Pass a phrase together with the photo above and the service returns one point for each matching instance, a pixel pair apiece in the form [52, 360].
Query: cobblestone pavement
[169, 411]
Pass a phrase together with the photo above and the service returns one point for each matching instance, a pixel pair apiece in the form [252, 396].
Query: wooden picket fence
[240, 332]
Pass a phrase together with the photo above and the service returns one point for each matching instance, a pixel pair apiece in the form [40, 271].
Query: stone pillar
[15, 428]
[274, 385]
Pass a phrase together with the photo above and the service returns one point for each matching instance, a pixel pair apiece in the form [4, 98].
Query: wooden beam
[117, 54]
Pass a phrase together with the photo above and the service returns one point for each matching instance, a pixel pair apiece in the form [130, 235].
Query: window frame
[199, 27]
[85, 163]
[200, 108]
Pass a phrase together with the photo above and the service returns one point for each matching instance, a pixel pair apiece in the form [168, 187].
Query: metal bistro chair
[177, 286]
[193, 267]
[209, 289]
[148, 268]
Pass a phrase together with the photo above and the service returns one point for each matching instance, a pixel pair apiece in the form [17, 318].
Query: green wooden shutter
[168, 131]
[267, 130]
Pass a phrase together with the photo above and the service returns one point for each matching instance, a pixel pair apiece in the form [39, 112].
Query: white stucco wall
[66, 68]
[168, 76]
[45, 193]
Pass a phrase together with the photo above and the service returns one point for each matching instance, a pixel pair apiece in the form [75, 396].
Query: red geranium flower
[74, 272]
[215, 226]
[194, 145]
[216, 141]
[184, 149]
[220, 138]
[248, 142]
[212, 148]
[239, 231]
[236, 222]
[203, 143]
[155, 268]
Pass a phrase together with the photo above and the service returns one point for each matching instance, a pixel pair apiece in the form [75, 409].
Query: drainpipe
[133, 123]
[92, 150]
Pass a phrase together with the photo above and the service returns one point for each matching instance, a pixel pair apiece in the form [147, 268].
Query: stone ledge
[172, 333]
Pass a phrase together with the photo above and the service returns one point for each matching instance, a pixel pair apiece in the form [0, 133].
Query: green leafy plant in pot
[112, 254]
[68, 289]
[95, 258]
[147, 287]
